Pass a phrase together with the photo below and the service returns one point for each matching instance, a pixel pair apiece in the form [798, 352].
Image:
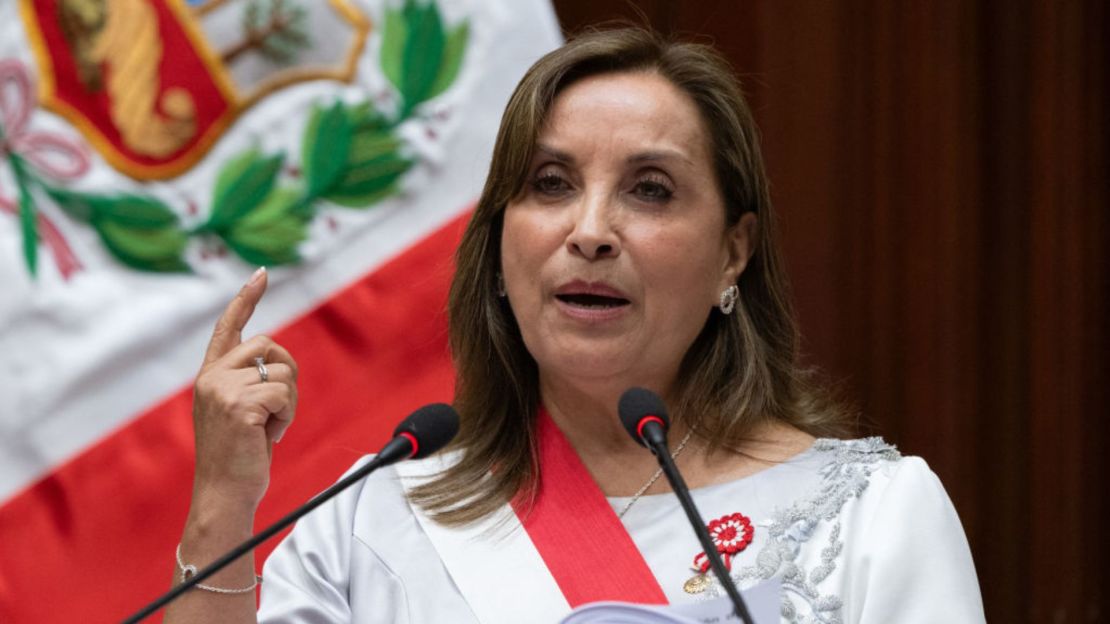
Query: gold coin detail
[696, 584]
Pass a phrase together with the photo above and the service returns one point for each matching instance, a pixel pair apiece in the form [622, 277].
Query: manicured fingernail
[257, 275]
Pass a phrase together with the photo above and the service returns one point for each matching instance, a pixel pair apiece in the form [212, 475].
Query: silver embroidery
[845, 475]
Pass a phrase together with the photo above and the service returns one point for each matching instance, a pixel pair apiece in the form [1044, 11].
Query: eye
[548, 181]
[653, 188]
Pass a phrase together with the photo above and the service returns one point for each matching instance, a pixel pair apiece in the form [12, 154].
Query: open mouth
[596, 302]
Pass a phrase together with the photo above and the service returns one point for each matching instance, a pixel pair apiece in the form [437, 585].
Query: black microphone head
[635, 405]
[431, 426]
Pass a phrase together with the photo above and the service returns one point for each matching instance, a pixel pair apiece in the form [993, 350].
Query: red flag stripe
[94, 540]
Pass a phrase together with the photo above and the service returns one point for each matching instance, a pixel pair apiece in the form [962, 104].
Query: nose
[593, 235]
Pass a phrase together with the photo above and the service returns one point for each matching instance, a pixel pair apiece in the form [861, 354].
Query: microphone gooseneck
[424, 432]
[645, 418]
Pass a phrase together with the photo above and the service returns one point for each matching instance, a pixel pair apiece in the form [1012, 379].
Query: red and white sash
[572, 550]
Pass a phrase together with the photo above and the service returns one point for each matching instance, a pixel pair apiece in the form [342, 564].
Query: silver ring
[263, 374]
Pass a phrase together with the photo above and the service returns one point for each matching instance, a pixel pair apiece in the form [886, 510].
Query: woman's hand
[237, 415]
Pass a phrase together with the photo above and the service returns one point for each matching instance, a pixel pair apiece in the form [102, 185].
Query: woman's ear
[740, 243]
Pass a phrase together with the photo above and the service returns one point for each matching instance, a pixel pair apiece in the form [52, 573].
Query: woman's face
[616, 250]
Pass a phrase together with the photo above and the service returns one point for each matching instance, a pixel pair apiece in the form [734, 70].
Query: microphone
[645, 418]
[424, 432]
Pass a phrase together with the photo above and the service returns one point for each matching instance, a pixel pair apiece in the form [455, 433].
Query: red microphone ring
[412, 440]
[645, 420]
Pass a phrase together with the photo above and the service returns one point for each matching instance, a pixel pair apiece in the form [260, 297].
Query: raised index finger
[228, 332]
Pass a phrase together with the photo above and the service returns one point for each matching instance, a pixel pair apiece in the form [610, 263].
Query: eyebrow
[655, 155]
[558, 155]
[641, 157]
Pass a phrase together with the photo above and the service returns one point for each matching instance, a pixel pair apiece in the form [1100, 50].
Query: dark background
[941, 173]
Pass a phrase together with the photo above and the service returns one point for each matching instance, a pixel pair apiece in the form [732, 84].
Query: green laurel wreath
[351, 156]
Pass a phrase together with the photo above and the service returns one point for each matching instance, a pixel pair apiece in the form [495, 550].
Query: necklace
[654, 477]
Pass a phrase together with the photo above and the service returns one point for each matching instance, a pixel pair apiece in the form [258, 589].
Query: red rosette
[731, 534]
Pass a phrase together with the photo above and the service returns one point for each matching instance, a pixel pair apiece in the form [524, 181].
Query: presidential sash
[572, 550]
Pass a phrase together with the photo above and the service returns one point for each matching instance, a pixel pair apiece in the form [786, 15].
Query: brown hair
[741, 371]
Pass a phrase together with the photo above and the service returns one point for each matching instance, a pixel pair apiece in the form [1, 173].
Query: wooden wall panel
[941, 171]
[1002, 428]
[1067, 119]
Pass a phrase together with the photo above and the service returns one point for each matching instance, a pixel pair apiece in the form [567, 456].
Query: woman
[624, 238]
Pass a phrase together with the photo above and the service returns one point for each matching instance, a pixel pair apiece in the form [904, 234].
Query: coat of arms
[152, 85]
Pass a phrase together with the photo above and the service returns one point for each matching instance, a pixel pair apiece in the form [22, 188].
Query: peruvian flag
[152, 154]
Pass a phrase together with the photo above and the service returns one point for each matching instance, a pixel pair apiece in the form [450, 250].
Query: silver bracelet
[188, 571]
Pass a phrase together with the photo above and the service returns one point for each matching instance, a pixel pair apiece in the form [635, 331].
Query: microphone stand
[240, 550]
[658, 446]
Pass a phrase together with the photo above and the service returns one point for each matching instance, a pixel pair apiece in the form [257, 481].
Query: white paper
[763, 602]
